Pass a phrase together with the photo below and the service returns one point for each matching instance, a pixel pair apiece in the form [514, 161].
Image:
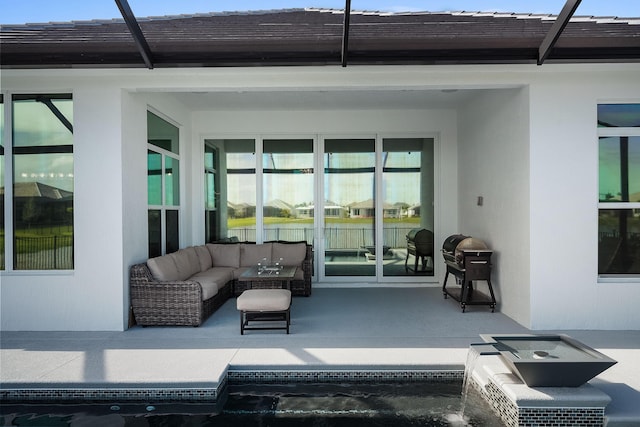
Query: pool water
[333, 405]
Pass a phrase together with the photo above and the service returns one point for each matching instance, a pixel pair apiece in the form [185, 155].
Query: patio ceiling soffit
[554, 33]
[136, 32]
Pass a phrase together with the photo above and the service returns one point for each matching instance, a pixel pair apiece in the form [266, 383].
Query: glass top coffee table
[268, 277]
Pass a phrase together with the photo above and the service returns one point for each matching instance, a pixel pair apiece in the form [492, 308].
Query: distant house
[279, 208]
[366, 209]
[241, 210]
[330, 211]
[305, 211]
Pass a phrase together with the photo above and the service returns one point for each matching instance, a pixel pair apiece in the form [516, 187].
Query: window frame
[9, 151]
[164, 207]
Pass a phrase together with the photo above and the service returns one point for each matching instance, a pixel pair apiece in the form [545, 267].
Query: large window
[163, 185]
[619, 189]
[43, 183]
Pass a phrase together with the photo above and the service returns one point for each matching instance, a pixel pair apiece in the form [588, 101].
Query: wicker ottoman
[269, 306]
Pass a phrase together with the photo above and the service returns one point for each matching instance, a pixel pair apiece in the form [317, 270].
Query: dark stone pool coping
[165, 393]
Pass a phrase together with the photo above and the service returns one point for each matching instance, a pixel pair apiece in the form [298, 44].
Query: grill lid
[454, 245]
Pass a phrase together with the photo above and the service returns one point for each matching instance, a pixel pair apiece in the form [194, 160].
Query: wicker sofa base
[172, 304]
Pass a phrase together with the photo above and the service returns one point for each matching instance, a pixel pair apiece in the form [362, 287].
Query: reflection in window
[163, 134]
[240, 212]
[407, 176]
[619, 189]
[619, 115]
[155, 233]
[619, 169]
[171, 181]
[171, 231]
[211, 193]
[288, 189]
[43, 182]
[349, 166]
[619, 241]
[154, 178]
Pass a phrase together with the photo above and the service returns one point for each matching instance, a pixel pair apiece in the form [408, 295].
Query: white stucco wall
[565, 292]
[110, 210]
[494, 164]
[561, 291]
[134, 188]
[91, 296]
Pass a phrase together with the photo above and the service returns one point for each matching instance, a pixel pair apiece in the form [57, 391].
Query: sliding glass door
[354, 199]
[349, 207]
[407, 204]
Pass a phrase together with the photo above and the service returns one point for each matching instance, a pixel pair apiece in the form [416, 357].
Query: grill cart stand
[475, 265]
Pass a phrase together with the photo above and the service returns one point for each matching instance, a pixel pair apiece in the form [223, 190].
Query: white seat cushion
[262, 300]
[212, 280]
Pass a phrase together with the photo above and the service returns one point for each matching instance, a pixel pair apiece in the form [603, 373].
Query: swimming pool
[278, 405]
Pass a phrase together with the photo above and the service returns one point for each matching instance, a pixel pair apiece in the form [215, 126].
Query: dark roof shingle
[314, 37]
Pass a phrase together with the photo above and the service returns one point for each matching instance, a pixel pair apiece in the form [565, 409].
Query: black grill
[469, 260]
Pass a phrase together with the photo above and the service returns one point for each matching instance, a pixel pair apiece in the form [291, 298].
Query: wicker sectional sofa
[185, 287]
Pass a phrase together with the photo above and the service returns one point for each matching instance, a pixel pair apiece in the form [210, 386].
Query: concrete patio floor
[341, 329]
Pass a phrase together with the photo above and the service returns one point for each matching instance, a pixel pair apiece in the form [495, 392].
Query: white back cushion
[163, 268]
